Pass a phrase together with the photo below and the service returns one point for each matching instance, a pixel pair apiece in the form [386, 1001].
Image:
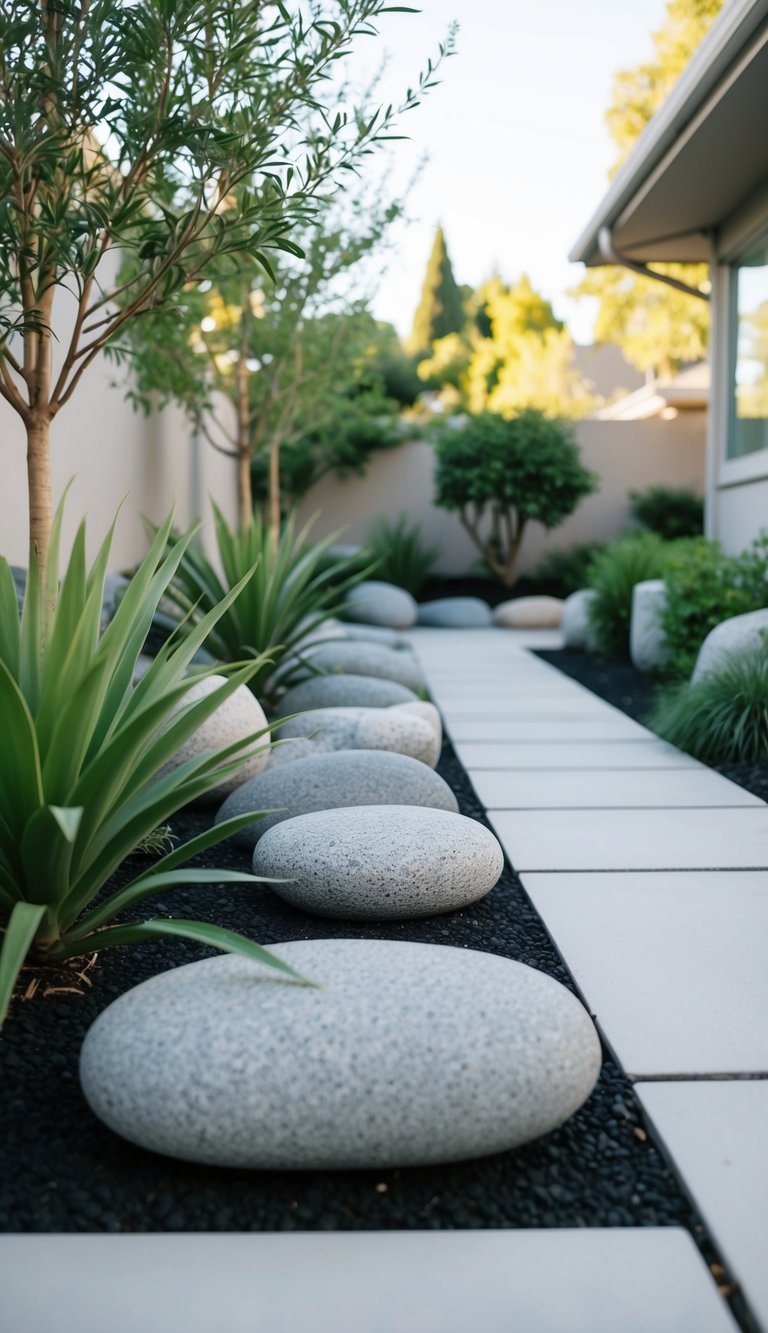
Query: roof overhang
[702, 156]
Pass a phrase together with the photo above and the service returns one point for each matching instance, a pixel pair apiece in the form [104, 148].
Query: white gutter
[611, 255]
[726, 39]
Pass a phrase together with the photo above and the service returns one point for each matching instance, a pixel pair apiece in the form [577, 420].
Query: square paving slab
[649, 1280]
[634, 839]
[672, 965]
[549, 755]
[584, 788]
[520, 704]
[716, 1135]
[594, 726]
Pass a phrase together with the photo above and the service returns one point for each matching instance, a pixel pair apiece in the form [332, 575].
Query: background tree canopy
[658, 328]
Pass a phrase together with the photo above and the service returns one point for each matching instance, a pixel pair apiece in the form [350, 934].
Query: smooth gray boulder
[405, 1054]
[332, 782]
[378, 603]
[342, 657]
[456, 613]
[739, 634]
[376, 634]
[325, 729]
[576, 625]
[529, 613]
[647, 640]
[239, 716]
[380, 862]
[345, 691]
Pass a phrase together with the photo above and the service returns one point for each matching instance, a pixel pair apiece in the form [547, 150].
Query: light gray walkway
[622, 1281]
[651, 874]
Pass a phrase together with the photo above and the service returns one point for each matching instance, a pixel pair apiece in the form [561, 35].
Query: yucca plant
[283, 594]
[722, 718]
[403, 556]
[81, 750]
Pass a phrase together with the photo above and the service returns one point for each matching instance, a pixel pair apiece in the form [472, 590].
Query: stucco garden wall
[626, 455]
[113, 454]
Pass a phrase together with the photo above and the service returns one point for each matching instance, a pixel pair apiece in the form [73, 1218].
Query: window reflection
[749, 417]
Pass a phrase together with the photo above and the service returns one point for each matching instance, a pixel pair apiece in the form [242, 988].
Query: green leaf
[216, 937]
[21, 789]
[22, 927]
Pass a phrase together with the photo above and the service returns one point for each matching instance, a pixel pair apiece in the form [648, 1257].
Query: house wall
[627, 455]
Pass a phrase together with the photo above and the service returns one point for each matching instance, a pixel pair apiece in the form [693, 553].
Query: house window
[749, 353]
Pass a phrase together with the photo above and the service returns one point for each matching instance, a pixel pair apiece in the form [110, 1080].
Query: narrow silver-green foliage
[282, 595]
[722, 718]
[82, 748]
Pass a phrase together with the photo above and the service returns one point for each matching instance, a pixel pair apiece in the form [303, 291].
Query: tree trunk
[244, 490]
[244, 494]
[274, 494]
[39, 485]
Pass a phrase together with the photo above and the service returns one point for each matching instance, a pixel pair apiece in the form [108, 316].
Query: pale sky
[518, 149]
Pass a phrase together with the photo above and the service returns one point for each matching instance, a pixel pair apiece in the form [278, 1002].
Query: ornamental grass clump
[82, 747]
[403, 556]
[276, 595]
[722, 718]
[612, 576]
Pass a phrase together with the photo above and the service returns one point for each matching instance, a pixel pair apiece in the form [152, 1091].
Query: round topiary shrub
[499, 474]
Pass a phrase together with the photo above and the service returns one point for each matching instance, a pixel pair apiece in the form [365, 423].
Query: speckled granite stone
[456, 613]
[378, 603]
[529, 613]
[407, 1054]
[358, 658]
[325, 729]
[333, 781]
[346, 691]
[421, 708]
[576, 625]
[380, 862]
[747, 633]
[237, 717]
[376, 634]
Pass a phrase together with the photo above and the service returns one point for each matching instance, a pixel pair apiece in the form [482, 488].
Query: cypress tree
[441, 308]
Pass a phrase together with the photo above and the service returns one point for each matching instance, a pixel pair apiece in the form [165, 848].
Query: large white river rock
[407, 1054]
[380, 862]
[331, 782]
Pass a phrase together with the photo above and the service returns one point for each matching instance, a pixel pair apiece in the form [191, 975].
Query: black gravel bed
[63, 1171]
[635, 693]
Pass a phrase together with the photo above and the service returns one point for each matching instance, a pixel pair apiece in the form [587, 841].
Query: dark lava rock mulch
[635, 693]
[64, 1171]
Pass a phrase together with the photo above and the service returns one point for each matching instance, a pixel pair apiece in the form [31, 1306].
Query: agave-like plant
[82, 747]
[285, 592]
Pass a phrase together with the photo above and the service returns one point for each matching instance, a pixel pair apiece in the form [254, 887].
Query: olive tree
[500, 474]
[150, 139]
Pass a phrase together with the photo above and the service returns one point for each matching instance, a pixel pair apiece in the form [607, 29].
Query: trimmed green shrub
[401, 554]
[723, 718]
[668, 512]
[560, 573]
[704, 587]
[500, 474]
[613, 575]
